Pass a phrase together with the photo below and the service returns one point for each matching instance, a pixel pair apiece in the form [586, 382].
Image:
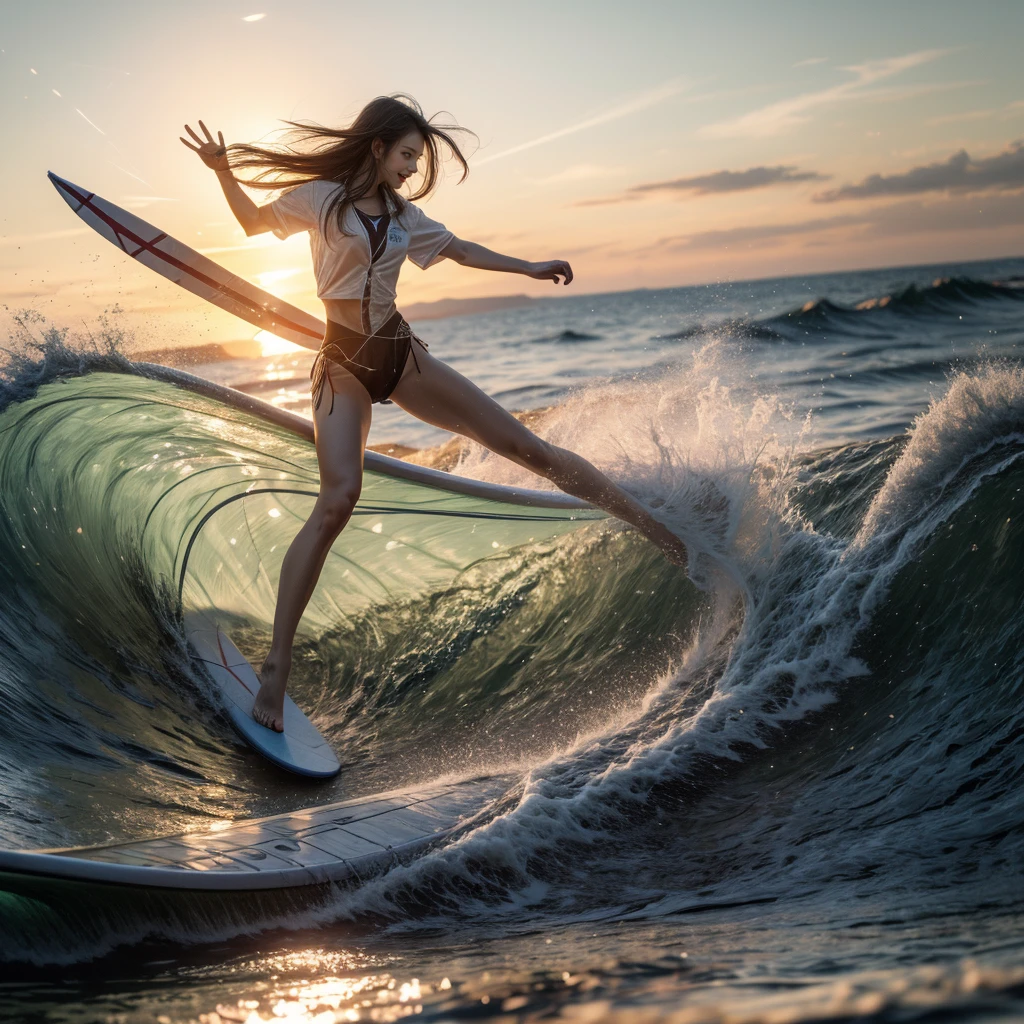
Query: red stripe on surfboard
[224, 662]
[121, 232]
[152, 242]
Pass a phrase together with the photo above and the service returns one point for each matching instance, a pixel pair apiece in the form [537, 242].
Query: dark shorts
[376, 360]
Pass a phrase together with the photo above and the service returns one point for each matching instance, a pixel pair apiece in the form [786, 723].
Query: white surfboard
[300, 748]
[342, 843]
[185, 267]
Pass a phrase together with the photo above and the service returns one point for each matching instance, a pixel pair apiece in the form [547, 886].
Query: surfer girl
[345, 188]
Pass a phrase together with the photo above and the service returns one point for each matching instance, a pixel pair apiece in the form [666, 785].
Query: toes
[267, 719]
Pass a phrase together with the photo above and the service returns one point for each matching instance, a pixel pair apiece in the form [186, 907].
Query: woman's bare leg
[443, 397]
[340, 439]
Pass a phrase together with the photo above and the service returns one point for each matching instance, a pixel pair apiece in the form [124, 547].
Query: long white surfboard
[300, 748]
[342, 842]
[185, 267]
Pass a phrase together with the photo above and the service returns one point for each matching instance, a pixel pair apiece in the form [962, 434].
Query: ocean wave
[565, 336]
[844, 685]
[126, 497]
[944, 295]
[868, 318]
[739, 329]
[814, 692]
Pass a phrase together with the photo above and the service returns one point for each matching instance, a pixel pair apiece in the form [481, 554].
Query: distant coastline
[441, 309]
[196, 355]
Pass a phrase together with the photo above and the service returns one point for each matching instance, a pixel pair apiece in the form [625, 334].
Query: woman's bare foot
[268, 709]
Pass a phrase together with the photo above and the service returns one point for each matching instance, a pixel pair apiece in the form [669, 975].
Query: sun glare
[272, 277]
[272, 345]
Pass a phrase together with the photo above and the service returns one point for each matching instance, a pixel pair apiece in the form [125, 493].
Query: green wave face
[210, 497]
[405, 539]
[447, 632]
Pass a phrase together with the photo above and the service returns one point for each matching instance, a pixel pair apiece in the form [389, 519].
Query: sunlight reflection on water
[379, 996]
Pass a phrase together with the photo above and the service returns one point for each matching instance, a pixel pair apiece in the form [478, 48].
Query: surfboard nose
[68, 191]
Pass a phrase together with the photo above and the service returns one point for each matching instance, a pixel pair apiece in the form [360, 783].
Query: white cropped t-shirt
[341, 261]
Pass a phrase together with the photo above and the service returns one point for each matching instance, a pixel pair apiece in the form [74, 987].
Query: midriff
[347, 312]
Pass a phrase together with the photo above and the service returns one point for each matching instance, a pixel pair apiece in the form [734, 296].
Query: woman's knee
[335, 506]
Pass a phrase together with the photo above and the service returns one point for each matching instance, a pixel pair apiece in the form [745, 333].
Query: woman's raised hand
[553, 270]
[213, 153]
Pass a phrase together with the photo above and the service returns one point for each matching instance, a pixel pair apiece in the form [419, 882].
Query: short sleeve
[426, 238]
[295, 211]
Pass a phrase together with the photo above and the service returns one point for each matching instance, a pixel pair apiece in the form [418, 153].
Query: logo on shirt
[396, 236]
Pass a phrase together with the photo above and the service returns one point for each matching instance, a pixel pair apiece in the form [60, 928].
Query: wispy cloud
[786, 114]
[732, 181]
[643, 102]
[715, 183]
[581, 172]
[84, 118]
[966, 115]
[110, 142]
[622, 197]
[1002, 172]
[92, 124]
[809, 61]
[749, 235]
[909, 217]
[131, 174]
[141, 202]
[1007, 112]
[41, 236]
[994, 212]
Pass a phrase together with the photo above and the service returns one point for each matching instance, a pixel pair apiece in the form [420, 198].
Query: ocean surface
[786, 788]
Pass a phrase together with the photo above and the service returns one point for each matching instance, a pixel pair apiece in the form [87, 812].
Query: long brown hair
[311, 152]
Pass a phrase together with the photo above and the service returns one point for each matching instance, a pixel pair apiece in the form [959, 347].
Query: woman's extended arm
[469, 254]
[254, 219]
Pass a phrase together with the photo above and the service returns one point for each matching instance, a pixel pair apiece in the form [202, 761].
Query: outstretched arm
[469, 254]
[254, 219]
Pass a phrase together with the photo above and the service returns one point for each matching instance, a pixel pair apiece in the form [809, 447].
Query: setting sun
[272, 345]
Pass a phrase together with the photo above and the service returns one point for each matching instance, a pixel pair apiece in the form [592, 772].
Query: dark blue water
[791, 792]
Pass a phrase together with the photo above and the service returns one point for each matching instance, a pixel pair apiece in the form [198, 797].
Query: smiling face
[398, 163]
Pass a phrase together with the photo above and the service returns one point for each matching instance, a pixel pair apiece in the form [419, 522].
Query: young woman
[361, 229]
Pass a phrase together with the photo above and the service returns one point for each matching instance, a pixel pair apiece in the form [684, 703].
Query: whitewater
[785, 786]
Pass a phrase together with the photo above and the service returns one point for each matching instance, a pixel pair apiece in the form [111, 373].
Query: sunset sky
[652, 144]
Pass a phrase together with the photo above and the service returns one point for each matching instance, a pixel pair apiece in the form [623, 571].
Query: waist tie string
[405, 331]
[318, 371]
